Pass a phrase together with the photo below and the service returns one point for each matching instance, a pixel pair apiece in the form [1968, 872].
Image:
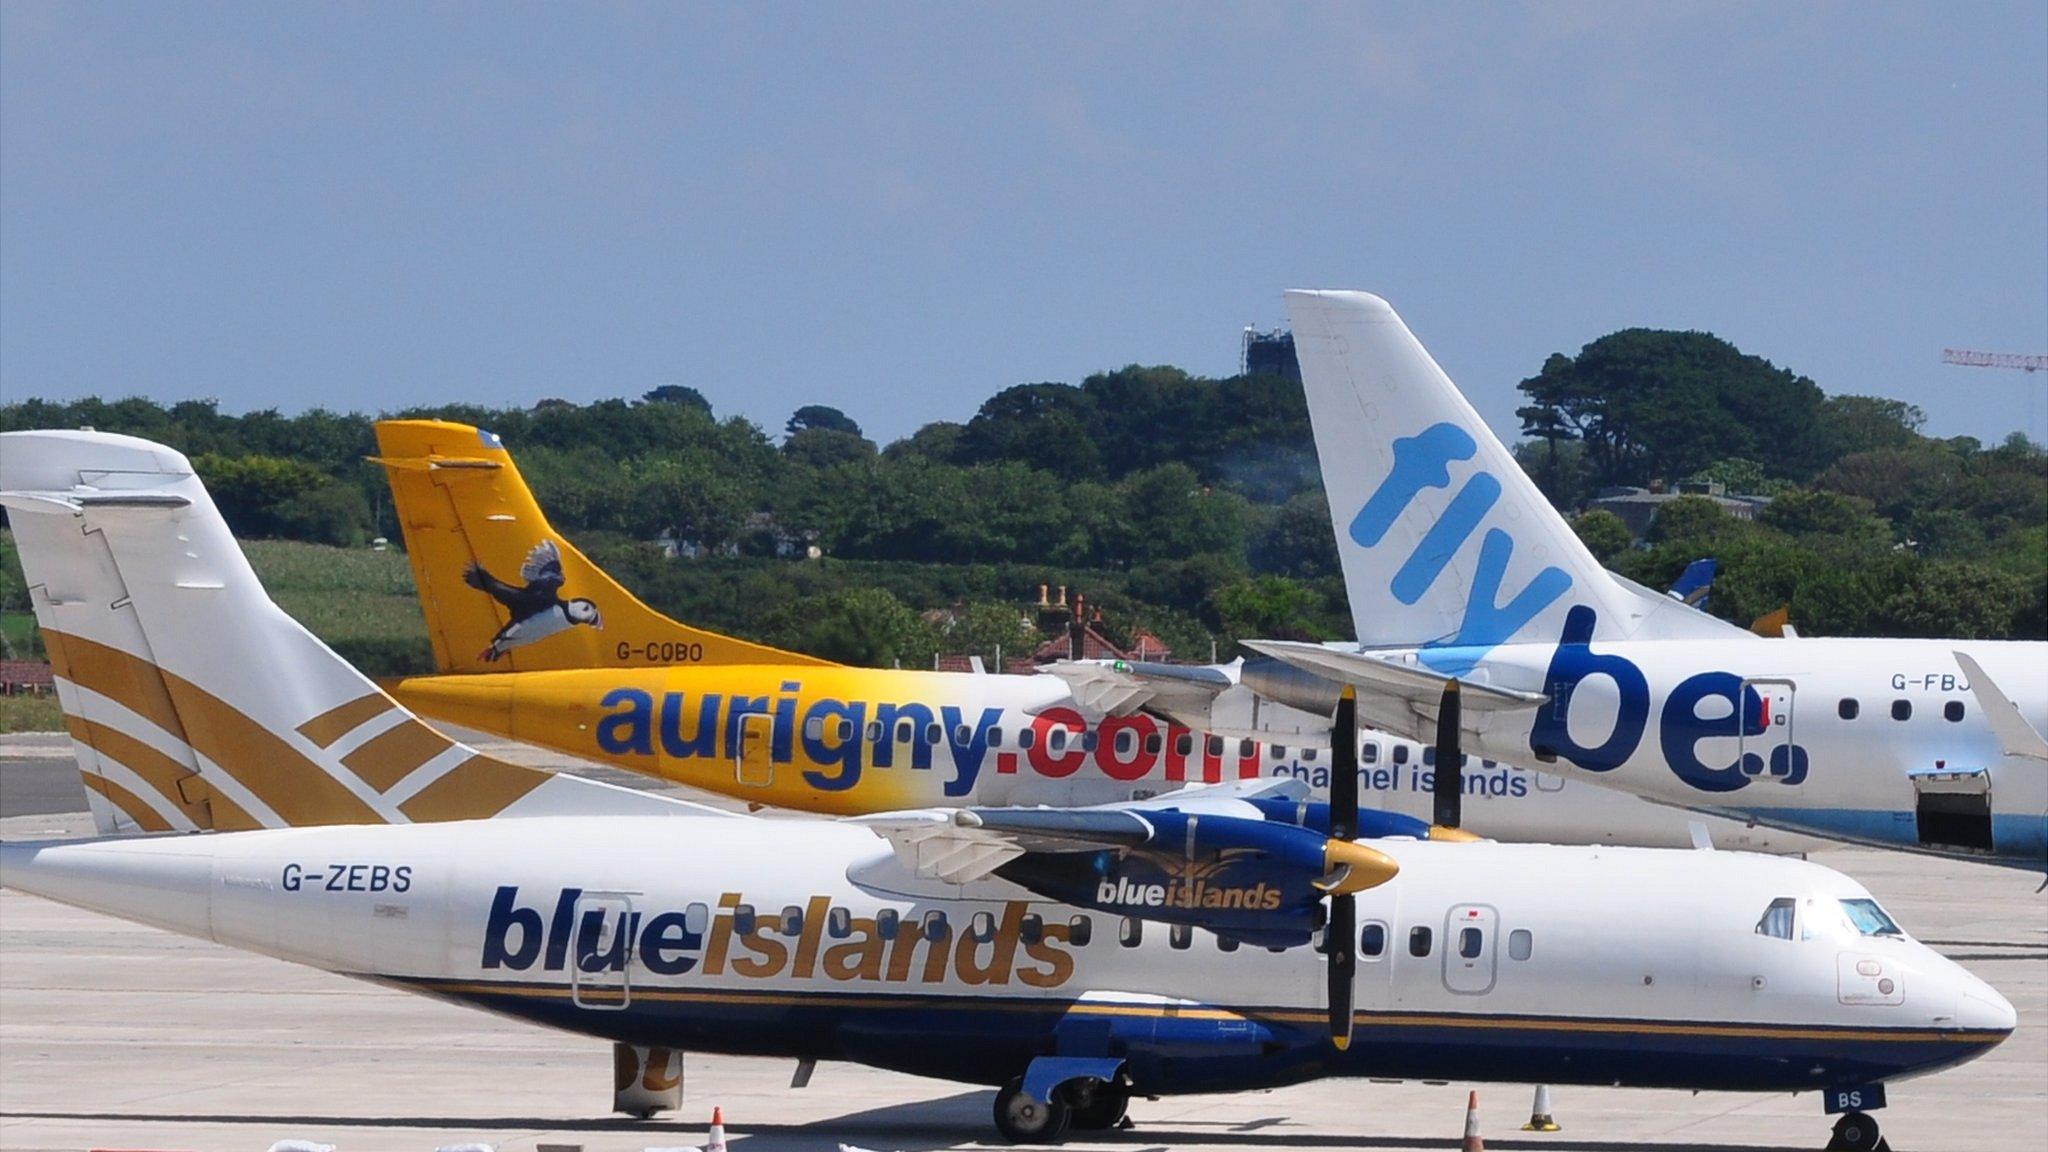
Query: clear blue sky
[900, 210]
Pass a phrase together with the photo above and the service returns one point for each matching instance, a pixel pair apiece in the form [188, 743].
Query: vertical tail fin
[1445, 543]
[193, 700]
[501, 589]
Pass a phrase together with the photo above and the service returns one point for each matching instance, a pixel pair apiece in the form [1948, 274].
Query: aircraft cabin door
[1772, 743]
[753, 757]
[1471, 934]
[601, 976]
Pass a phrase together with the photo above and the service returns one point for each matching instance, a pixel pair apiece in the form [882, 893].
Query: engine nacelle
[1283, 683]
[1258, 881]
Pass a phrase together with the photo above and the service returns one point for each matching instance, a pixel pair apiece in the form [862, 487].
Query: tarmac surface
[118, 1036]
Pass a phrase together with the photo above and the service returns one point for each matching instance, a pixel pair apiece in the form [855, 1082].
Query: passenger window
[1226, 944]
[1180, 936]
[1429, 756]
[995, 737]
[982, 928]
[1088, 741]
[1520, 944]
[1776, 921]
[1902, 709]
[904, 729]
[839, 923]
[1279, 751]
[743, 919]
[1308, 755]
[1131, 932]
[1216, 746]
[792, 921]
[1032, 929]
[1246, 749]
[697, 919]
[1056, 741]
[933, 734]
[1026, 737]
[1372, 940]
[1370, 754]
[1848, 708]
[1400, 753]
[1153, 743]
[1080, 930]
[1952, 711]
[1418, 941]
[935, 926]
[1469, 942]
[1184, 744]
[886, 923]
[845, 730]
[1126, 742]
[874, 731]
[815, 727]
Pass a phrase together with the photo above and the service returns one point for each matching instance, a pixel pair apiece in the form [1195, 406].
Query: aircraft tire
[1023, 1120]
[1855, 1132]
[1096, 1105]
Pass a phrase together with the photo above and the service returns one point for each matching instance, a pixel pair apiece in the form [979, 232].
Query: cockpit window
[1870, 919]
[1777, 919]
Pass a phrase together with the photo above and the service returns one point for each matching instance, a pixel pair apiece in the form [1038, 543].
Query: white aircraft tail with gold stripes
[193, 701]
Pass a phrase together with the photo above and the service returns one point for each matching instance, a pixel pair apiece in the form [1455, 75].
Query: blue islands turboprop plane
[1073, 957]
[1463, 579]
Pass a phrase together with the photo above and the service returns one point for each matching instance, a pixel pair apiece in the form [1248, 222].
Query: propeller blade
[1350, 867]
[1340, 939]
[1450, 760]
[1344, 766]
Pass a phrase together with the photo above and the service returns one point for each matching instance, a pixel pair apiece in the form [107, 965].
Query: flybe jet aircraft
[1459, 570]
[1076, 957]
[535, 642]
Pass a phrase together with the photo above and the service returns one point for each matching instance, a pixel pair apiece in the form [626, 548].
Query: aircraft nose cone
[1982, 1009]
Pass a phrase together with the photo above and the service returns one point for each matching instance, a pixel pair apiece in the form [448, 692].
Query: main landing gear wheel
[1856, 1132]
[1023, 1120]
[1097, 1105]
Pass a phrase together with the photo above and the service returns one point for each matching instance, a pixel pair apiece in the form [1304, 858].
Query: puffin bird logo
[537, 608]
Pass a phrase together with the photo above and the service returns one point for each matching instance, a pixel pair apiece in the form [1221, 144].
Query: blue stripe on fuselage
[2022, 841]
[987, 1040]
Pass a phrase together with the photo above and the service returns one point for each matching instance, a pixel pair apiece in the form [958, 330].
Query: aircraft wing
[2015, 735]
[961, 845]
[1394, 696]
[1177, 694]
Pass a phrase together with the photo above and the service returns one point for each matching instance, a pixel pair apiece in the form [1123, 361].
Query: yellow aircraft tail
[501, 589]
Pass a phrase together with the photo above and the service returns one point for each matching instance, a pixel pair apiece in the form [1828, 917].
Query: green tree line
[1184, 506]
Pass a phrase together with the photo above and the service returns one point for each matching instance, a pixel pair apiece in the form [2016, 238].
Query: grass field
[31, 713]
[360, 602]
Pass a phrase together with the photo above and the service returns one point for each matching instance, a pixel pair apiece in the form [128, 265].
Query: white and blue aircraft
[1461, 573]
[1075, 957]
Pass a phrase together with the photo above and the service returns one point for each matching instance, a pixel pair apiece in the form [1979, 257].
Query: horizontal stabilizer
[1393, 696]
[1171, 692]
[2015, 735]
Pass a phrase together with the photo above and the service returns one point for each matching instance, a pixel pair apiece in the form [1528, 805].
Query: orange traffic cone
[1472, 1141]
[716, 1141]
[1539, 1112]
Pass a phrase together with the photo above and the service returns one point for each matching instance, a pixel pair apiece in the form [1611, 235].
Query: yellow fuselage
[845, 741]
